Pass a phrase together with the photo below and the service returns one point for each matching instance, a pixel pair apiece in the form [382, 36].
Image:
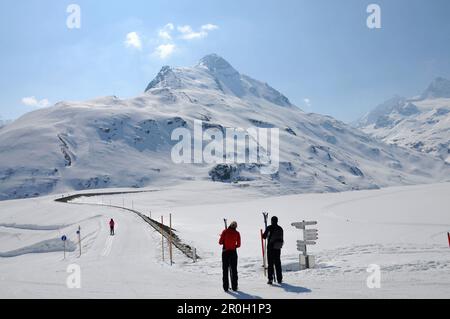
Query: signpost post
[79, 238]
[64, 238]
[309, 238]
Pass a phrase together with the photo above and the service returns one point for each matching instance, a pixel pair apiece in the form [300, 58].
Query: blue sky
[316, 50]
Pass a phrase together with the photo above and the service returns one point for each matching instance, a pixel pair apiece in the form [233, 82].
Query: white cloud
[209, 27]
[166, 42]
[165, 50]
[187, 33]
[133, 40]
[32, 101]
[165, 32]
[307, 102]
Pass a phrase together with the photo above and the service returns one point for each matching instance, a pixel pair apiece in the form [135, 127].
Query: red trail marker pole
[162, 238]
[170, 239]
[448, 236]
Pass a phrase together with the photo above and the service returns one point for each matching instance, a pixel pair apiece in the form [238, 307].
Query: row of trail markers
[309, 238]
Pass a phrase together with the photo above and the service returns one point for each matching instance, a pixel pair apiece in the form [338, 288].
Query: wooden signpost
[309, 238]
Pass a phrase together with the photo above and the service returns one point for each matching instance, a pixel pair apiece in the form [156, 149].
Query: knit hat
[233, 225]
[274, 220]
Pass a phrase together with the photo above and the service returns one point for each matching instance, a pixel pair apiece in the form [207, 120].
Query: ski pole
[263, 253]
[265, 215]
[226, 226]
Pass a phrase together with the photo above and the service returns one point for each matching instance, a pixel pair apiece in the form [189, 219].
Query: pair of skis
[264, 244]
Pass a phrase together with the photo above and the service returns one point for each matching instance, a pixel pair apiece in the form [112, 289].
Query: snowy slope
[422, 123]
[387, 227]
[111, 142]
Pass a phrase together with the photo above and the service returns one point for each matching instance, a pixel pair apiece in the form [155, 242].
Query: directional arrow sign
[311, 237]
[307, 242]
[311, 231]
[303, 224]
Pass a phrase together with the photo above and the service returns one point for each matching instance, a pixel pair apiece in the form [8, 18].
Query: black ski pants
[230, 261]
[274, 260]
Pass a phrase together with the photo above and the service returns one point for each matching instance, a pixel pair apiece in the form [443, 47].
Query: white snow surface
[111, 142]
[401, 229]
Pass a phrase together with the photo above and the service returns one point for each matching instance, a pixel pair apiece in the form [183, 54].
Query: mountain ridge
[420, 123]
[213, 72]
[109, 142]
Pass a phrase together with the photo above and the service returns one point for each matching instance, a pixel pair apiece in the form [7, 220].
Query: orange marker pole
[162, 237]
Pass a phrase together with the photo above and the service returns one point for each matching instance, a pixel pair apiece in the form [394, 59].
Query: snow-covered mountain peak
[439, 88]
[215, 75]
[421, 123]
[216, 64]
[165, 78]
[381, 111]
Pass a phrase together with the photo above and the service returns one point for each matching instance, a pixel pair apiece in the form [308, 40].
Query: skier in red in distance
[111, 227]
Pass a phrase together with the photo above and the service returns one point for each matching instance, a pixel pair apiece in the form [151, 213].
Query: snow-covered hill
[111, 142]
[421, 123]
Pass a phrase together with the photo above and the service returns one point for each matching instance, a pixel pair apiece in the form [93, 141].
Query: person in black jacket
[274, 235]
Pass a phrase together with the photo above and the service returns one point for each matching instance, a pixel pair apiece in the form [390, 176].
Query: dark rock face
[223, 173]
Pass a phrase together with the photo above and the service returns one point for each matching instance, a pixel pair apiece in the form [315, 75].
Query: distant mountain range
[112, 142]
[421, 123]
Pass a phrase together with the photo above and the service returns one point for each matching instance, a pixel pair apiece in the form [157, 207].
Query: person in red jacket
[230, 239]
[111, 227]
